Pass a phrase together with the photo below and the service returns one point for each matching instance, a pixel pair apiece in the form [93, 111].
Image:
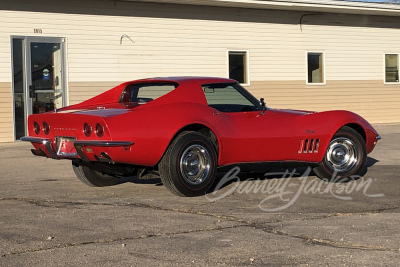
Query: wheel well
[358, 129]
[204, 130]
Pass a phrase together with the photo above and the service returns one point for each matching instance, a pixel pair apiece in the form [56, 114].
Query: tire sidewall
[92, 177]
[179, 181]
[360, 150]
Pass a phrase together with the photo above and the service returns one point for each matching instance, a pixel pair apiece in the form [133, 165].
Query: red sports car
[186, 128]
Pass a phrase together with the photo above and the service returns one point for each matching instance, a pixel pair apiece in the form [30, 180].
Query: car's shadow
[371, 162]
[247, 176]
[136, 180]
[281, 174]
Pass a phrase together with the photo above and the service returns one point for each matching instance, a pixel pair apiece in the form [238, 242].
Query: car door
[246, 133]
[253, 137]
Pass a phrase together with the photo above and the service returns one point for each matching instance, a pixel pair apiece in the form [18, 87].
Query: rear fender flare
[206, 130]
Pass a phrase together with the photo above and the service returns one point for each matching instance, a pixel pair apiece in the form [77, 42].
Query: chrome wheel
[345, 156]
[342, 154]
[189, 166]
[195, 164]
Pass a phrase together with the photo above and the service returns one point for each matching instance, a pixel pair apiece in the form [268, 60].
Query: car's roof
[183, 79]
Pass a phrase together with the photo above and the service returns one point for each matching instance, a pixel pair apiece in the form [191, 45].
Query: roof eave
[330, 6]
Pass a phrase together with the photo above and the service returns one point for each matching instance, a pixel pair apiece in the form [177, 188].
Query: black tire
[93, 178]
[189, 166]
[345, 156]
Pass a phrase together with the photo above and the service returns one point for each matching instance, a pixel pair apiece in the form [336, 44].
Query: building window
[315, 68]
[391, 68]
[238, 66]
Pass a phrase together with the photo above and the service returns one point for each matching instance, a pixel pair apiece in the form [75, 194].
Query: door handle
[31, 91]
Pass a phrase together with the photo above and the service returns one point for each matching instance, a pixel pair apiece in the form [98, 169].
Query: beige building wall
[6, 111]
[376, 102]
[109, 42]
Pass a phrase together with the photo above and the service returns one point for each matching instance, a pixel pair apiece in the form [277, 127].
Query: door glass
[18, 83]
[46, 85]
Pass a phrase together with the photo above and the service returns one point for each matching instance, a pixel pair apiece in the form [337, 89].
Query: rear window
[143, 93]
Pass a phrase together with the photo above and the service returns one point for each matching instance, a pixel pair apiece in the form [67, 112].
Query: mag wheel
[188, 167]
[92, 177]
[345, 156]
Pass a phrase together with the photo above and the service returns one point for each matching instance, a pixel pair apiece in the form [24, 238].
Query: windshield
[230, 97]
[143, 93]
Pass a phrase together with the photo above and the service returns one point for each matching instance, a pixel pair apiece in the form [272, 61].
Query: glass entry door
[38, 78]
[45, 75]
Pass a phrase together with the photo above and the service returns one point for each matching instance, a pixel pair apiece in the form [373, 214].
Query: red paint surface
[242, 136]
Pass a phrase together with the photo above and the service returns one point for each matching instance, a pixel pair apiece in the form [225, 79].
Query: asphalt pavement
[283, 218]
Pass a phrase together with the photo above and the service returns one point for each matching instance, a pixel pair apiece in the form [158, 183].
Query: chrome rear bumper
[78, 146]
[45, 141]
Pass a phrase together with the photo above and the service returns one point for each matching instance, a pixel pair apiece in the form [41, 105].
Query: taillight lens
[87, 129]
[99, 130]
[36, 127]
[46, 128]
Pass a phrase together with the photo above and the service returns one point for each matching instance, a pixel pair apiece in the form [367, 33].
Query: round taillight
[46, 128]
[99, 130]
[87, 129]
[36, 127]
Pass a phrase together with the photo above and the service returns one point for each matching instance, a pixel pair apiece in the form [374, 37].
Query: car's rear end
[76, 134]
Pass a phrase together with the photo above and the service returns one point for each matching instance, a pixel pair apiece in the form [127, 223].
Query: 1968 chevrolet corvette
[185, 128]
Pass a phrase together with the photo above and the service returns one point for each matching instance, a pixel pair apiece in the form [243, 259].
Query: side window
[154, 91]
[227, 98]
[143, 93]
[391, 68]
[238, 66]
[315, 68]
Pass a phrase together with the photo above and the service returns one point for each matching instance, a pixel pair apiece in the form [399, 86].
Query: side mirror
[264, 107]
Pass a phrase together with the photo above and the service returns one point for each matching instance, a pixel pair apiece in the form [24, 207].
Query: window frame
[323, 68]
[384, 67]
[247, 62]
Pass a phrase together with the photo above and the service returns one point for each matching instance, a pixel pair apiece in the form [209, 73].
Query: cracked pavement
[49, 218]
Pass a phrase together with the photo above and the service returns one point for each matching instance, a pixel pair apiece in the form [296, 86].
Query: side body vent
[308, 146]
